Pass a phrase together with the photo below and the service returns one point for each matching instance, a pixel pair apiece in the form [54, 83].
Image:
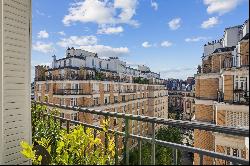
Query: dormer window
[93, 62]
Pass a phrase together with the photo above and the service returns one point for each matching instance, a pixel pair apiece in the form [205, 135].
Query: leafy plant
[57, 147]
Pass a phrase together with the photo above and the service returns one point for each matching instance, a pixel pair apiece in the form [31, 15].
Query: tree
[164, 155]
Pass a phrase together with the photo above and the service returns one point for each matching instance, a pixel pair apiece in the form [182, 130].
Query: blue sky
[166, 35]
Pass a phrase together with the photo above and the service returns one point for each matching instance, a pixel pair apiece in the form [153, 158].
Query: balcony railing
[241, 96]
[70, 92]
[152, 137]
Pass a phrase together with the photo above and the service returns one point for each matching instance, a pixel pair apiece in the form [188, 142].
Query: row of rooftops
[95, 55]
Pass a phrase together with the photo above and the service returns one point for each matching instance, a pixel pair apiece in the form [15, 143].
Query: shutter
[15, 67]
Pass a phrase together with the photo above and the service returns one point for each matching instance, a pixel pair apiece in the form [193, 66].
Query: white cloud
[102, 12]
[154, 5]
[221, 6]
[196, 39]
[106, 51]
[166, 44]
[175, 24]
[62, 33]
[43, 34]
[43, 47]
[210, 23]
[40, 13]
[77, 41]
[110, 30]
[89, 43]
[146, 45]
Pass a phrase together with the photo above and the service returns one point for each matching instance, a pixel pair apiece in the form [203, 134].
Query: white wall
[246, 28]
[210, 48]
[231, 36]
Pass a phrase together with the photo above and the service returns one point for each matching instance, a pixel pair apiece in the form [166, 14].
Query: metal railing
[71, 92]
[242, 132]
[241, 96]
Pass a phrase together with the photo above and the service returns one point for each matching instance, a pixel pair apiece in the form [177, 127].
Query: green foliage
[163, 155]
[140, 80]
[78, 147]
[30, 154]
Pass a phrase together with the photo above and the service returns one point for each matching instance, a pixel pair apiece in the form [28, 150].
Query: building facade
[222, 96]
[15, 67]
[84, 80]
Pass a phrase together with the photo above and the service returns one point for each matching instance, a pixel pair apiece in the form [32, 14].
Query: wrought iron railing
[241, 96]
[242, 132]
[71, 92]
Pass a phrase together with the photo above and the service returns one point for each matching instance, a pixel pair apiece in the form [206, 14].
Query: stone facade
[222, 98]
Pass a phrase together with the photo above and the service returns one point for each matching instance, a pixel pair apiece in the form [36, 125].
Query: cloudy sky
[166, 35]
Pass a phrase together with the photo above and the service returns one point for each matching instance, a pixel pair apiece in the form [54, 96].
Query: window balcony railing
[70, 92]
[154, 121]
[241, 96]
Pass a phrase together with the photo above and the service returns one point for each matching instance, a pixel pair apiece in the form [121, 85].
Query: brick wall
[204, 113]
[203, 140]
[221, 118]
[207, 88]
[244, 47]
[228, 88]
[217, 61]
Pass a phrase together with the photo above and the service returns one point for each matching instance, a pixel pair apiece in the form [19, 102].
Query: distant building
[83, 79]
[222, 96]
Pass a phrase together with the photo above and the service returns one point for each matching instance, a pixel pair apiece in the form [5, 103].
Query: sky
[166, 35]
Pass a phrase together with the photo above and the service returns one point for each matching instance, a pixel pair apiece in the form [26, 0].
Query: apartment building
[15, 48]
[222, 95]
[84, 80]
[183, 103]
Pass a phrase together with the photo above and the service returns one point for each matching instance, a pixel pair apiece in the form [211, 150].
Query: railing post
[94, 138]
[153, 145]
[201, 159]
[106, 136]
[139, 144]
[67, 126]
[175, 156]
[126, 140]
[116, 147]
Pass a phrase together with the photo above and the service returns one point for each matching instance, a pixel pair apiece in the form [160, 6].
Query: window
[106, 100]
[235, 152]
[47, 87]
[62, 101]
[96, 101]
[138, 105]
[133, 106]
[123, 98]
[74, 116]
[39, 87]
[70, 62]
[124, 109]
[100, 64]
[93, 62]
[95, 87]
[106, 87]
[73, 102]
[62, 115]
[107, 66]
[116, 99]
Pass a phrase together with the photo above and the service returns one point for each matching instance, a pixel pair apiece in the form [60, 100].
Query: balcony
[150, 138]
[241, 97]
[71, 92]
